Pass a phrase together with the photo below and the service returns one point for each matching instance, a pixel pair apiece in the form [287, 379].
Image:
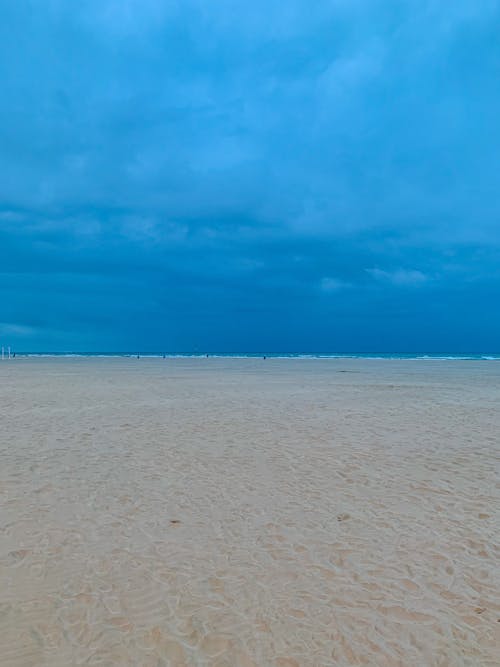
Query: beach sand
[243, 513]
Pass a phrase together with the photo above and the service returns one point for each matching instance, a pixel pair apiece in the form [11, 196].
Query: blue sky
[236, 176]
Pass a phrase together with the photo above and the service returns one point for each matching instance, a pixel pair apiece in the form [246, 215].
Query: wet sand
[243, 513]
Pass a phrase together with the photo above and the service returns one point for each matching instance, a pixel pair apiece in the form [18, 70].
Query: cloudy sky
[183, 175]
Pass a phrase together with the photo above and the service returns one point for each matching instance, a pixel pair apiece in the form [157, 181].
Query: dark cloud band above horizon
[179, 176]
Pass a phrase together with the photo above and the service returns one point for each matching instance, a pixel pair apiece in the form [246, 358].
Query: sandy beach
[249, 513]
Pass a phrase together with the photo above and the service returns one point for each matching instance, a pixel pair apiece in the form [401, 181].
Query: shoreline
[266, 355]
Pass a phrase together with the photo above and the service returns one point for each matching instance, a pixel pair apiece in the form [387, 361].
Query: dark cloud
[245, 176]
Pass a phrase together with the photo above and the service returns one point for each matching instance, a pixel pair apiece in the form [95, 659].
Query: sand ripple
[249, 514]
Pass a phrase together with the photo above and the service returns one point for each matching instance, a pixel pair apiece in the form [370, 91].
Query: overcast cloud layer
[250, 176]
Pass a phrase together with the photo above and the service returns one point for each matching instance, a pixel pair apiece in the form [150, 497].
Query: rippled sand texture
[242, 513]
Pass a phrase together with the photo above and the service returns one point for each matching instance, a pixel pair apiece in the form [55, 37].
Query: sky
[234, 176]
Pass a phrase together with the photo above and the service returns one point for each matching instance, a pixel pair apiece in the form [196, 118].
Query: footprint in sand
[16, 557]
